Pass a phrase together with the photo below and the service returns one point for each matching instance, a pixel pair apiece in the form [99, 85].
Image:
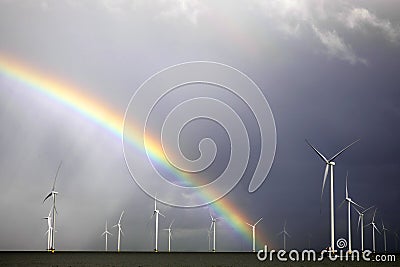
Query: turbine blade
[120, 217]
[49, 195]
[161, 214]
[347, 191]
[344, 149]
[258, 221]
[55, 177]
[359, 220]
[359, 212]
[319, 154]
[354, 203]
[249, 224]
[376, 228]
[122, 233]
[171, 223]
[373, 218]
[211, 226]
[341, 203]
[323, 185]
[368, 209]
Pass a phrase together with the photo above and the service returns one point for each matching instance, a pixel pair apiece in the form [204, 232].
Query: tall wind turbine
[156, 212]
[106, 233]
[373, 226]
[349, 203]
[284, 233]
[119, 231]
[53, 193]
[253, 228]
[169, 235]
[212, 226]
[361, 221]
[49, 231]
[384, 230]
[329, 165]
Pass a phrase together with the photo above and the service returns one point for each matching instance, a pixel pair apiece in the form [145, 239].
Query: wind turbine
[212, 226]
[253, 227]
[384, 230]
[53, 193]
[373, 226]
[396, 240]
[119, 231]
[329, 165]
[284, 233]
[106, 233]
[49, 231]
[156, 212]
[169, 235]
[349, 203]
[361, 220]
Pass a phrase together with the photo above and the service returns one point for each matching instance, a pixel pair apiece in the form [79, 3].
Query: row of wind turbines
[51, 218]
[156, 213]
[350, 203]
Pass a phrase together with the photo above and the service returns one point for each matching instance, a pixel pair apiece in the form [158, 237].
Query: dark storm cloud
[328, 70]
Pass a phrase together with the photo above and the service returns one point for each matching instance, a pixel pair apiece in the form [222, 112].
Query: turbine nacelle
[331, 163]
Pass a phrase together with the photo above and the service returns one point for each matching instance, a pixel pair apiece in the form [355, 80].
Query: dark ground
[159, 259]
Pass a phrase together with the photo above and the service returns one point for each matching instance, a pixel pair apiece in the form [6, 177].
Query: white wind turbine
[156, 212]
[253, 228]
[329, 165]
[106, 233]
[349, 203]
[361, 221]
[49, 231]
[373, 226]
[212, 226]
[53, 194]
[169, 235]
[284, 233]
[384, 230]
[119, 231]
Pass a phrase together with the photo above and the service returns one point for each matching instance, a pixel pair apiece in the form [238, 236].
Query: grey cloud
[336, 46]
[360, 18]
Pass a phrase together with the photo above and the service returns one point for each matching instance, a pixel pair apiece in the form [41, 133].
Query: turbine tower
[373, 226]
[156, 212]
[209, 240]
[119, 231]
[361, 221]
[106, 233]
[384, 230]
[349, 203]
[169, 235]
[253, 228]
[49, 231]
[284, 233]
[212, 226]
[329, 165]
[396, 240]
[53, 193]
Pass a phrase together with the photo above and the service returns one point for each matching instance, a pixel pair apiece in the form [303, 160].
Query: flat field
[223, 259]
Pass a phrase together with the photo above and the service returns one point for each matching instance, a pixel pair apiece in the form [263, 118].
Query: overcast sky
[330, 73]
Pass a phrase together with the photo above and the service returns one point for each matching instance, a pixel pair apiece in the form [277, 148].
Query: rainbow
[93, 110]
